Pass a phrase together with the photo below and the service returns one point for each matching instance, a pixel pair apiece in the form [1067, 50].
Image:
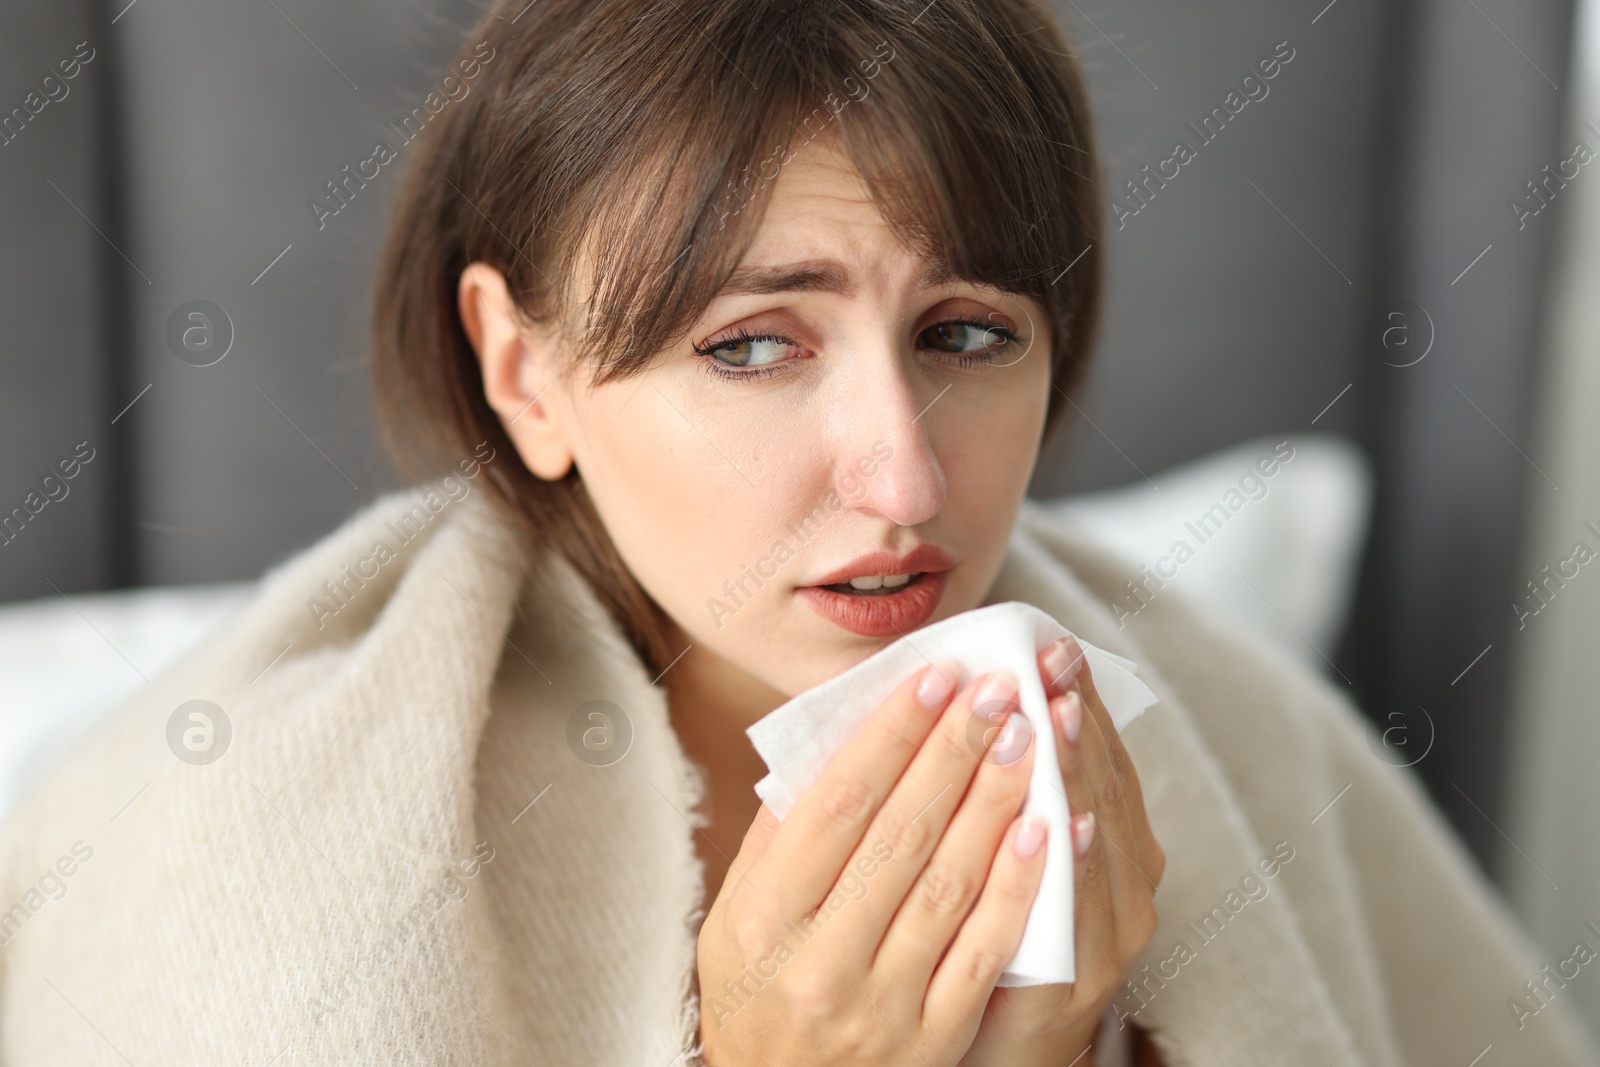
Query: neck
[711, 697]
[710, 702]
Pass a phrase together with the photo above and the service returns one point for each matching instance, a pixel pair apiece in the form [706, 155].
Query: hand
[848, 933]
[1115, 874]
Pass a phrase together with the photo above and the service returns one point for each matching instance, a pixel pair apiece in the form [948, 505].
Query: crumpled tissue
[797, 739]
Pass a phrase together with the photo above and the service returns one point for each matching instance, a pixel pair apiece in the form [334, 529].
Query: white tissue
[796, 740]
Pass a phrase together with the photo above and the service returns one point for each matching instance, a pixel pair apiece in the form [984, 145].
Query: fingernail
[1008, 745]
[1062, 663]
[1030, 837]
[1001, 686]
[1071, 711]
[1082, 833]
[938, 683]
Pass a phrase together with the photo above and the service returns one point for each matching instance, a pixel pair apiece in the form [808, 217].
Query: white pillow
[64, 664]
[1278, 553]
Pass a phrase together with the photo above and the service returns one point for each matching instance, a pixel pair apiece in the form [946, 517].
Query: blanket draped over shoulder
[406, 854]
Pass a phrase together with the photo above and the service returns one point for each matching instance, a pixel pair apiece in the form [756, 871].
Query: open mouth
[875, 584]
[879, 605]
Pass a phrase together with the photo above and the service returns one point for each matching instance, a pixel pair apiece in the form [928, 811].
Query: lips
[923, 558]
[883, 612]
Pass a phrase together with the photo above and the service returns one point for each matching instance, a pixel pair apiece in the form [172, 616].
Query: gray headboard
[1254, 280]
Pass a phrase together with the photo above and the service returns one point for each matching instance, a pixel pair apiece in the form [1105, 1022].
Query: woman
[738, 327]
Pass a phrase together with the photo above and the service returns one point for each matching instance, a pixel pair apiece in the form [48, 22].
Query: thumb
[756, 841]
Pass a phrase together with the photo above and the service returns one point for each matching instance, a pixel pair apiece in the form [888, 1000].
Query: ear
[519, 372]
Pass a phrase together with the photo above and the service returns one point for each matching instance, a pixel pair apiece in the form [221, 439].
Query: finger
[806, 853]
[757, 839]
[1093, 899]
[1111, 803]
[1145, 852]
[990, 934]
[1066, 719]
[953, 878]
[1094, 920]
[1127, 887]
[1059, 664]
[915, 817]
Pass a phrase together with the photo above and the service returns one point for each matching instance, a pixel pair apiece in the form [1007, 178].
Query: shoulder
[1272, 725]
[328, 781]
[308, 618]
[1382, 890]
[1285, 738]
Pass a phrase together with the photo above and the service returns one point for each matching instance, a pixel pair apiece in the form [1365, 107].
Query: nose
[884, 460]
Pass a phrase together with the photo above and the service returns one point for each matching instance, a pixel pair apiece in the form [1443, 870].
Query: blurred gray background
[1250, 295]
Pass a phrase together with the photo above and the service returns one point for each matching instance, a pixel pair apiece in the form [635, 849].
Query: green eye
[743, 356]
[759, 351]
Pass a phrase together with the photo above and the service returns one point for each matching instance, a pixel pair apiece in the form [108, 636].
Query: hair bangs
[613, 161]
[968, 161]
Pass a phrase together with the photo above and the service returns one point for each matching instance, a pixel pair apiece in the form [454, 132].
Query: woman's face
[832, 415]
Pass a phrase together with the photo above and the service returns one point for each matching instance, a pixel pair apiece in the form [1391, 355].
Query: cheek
[693, 499]
[988, 453]
[700, 498]
[989, 459]
[989, 442]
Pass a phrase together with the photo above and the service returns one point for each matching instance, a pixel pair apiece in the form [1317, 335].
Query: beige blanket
[399, 859]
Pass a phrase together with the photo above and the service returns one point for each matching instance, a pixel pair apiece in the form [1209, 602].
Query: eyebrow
[815, 276]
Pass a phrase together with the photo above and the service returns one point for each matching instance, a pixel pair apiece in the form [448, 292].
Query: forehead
[821, 230]
[821, 171]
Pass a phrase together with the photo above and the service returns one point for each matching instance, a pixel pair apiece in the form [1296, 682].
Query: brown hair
[638, 142]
